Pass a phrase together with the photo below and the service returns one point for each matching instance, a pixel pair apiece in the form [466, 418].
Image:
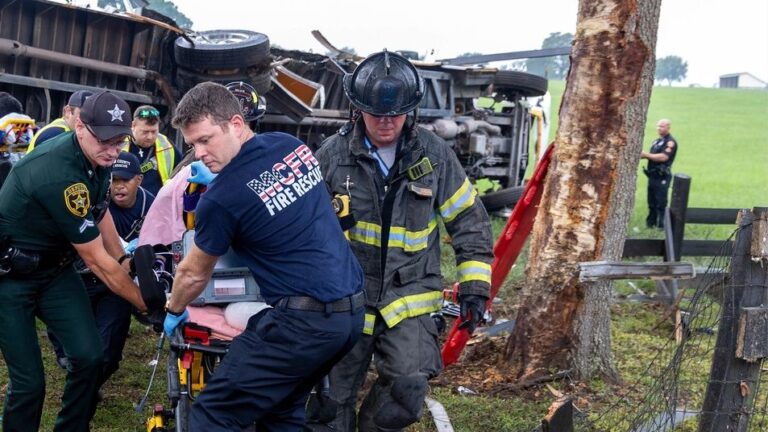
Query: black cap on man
[106, 116]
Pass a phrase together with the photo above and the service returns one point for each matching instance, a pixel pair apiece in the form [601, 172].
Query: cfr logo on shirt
[77, 200]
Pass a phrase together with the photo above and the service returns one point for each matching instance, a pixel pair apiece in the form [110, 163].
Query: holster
[22, 262]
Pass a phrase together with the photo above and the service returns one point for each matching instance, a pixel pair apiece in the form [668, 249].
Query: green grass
[124, 389]
[723, 147]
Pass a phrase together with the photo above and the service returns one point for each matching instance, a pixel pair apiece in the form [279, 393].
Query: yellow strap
[410, 241]
[474, 271]
[58, 123]
[462, 199]
[411, 306]
[165, 157]
[370, 321]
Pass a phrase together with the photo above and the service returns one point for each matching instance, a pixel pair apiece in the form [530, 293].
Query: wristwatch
[169, 311]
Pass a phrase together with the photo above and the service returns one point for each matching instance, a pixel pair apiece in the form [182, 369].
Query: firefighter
[155, 151]
[269, 204]
[173, 210]
[399, 179]
[53, 207]
[65, 123]
[659, 172]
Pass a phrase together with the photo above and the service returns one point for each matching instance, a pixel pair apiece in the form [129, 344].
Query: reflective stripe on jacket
[401, 258]
[164, 153]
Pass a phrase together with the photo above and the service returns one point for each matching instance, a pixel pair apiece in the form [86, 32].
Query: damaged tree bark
[589, 193]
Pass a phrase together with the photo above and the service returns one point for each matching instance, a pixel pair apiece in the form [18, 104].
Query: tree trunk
[589, 192]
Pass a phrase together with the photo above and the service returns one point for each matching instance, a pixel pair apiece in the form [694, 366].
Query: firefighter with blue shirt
[399, 180]
[269, 204]
[157, 154]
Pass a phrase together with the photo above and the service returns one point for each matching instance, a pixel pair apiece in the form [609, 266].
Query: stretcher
[194, 352]
[192, 358]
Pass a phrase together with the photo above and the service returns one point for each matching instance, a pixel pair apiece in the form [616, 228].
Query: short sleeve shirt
[128, 221]
[271, 206]
[47, 201]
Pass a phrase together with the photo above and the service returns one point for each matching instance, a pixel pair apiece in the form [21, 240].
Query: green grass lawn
[723, 139]
[723, 146]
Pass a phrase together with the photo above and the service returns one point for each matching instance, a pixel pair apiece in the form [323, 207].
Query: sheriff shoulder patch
[77, 200]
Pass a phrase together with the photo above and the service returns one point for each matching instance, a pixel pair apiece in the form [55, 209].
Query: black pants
[113, 320]
[271, 367]
[406, 355]
[658, 189]
[60, 301]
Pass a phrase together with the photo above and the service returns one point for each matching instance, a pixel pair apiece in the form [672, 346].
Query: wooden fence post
[732, 386]
[674, 230]
[678, 205]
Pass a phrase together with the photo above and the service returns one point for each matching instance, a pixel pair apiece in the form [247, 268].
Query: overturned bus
[50, 49]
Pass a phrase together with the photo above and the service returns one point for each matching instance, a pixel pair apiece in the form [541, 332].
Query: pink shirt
[164, 223]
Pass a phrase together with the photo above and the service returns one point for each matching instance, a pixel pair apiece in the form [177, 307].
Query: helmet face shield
[385, 84]
[252, 105]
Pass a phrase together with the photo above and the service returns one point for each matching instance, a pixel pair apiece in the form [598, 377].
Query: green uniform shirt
[47, 200]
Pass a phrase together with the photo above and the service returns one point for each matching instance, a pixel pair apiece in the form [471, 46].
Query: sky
[713, 37]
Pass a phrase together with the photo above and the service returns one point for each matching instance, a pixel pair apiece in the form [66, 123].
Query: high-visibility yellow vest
[166, 157]
[58, 123]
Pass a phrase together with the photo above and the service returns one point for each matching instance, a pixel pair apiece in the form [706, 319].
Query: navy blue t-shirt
[128, 220]
[271, 206]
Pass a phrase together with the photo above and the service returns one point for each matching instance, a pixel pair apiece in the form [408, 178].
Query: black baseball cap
[106, 115]
[126, 166]
[78, 98]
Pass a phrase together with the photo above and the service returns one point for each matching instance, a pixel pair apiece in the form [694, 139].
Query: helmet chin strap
[412, 120]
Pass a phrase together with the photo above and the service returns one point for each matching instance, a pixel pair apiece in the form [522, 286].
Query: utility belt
[346, 304]
[16, 261]
[660, 171]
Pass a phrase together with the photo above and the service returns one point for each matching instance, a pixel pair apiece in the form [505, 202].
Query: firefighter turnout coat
[395, 235]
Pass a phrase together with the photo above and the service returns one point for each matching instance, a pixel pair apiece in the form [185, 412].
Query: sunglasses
[149, 113]
[116, 142]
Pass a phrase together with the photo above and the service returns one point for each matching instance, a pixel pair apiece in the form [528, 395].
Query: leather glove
[172, 321]
[200, 173]
[472, 311]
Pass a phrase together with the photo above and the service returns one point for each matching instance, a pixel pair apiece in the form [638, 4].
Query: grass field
[723, 144]
[723, 138]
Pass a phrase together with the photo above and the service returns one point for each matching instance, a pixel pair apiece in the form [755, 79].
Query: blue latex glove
[131, 246]
[201, 174]
[172, 321]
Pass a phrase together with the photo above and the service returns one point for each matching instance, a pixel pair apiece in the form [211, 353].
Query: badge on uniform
[77, 199]
[420, 169]
[147, 166]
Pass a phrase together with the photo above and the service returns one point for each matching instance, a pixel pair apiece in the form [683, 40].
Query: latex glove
[200, 173]
[472, 311]
[130, 247]
[172, 321]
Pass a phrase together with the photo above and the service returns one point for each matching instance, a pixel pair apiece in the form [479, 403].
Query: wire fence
[680, 389]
